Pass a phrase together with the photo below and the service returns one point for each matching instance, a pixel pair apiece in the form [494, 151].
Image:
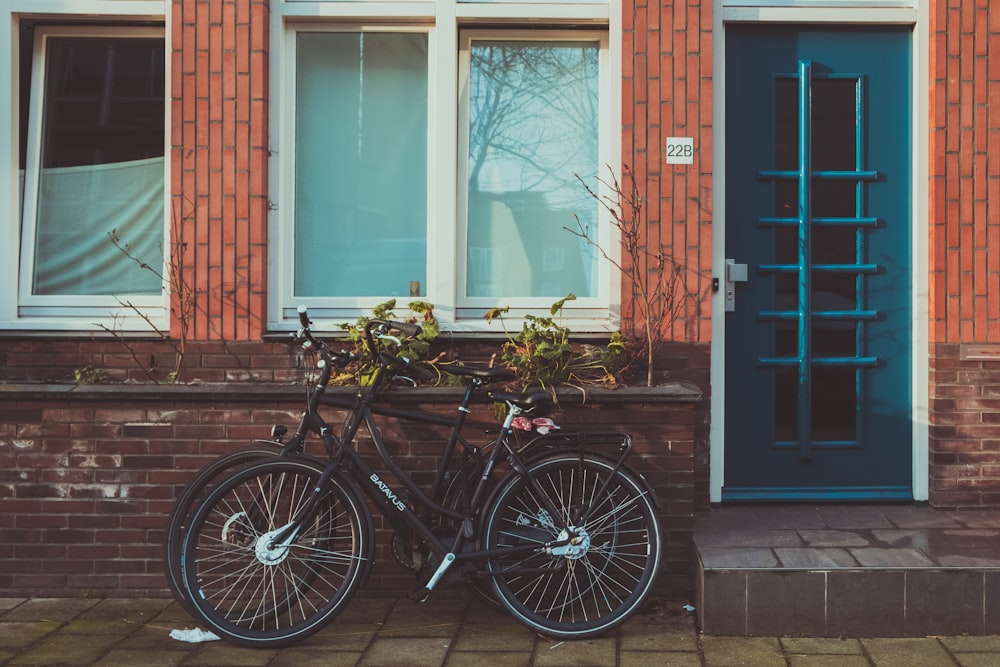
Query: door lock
[735, 273]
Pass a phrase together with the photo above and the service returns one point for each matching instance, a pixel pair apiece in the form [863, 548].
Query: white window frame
[19, 311]
[446, 23]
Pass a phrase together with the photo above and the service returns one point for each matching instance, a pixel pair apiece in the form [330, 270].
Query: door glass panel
[786, 404]
[834, 123]
[833, 402]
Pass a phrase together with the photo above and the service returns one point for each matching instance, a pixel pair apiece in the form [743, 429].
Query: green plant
[541, 352]
[90, 375]
[414, 348]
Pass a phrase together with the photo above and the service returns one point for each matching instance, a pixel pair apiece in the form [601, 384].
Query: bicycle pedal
[420, 594]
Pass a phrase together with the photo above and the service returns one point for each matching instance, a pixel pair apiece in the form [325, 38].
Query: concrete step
[859, 571]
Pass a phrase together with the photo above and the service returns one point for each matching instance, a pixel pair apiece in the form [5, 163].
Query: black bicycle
[447, 488]
[564, 534]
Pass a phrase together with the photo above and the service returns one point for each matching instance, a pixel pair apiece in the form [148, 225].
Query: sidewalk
[445, 631]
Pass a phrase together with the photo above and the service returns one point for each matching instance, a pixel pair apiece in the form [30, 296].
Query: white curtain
[77, 209]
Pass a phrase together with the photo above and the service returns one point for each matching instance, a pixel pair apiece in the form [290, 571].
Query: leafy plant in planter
[541, 353]
[658, 284]
[414, 348]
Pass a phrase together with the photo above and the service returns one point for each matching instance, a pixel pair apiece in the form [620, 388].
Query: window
[532, 127]
[360, 164]
[441, 165]
[93, 171]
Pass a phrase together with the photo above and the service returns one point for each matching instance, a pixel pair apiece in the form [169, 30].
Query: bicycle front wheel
[592, 584]
[255, 585]
[180, 516]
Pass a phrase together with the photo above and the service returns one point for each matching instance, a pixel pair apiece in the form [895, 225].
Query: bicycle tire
[252, 593]
[589, 591]
[181, 513]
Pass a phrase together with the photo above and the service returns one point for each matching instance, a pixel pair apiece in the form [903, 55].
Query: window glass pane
[101, 167]
[360, 164]
[533, 125]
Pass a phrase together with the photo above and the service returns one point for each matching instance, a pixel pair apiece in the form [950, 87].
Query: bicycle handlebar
[305, 337]
[378, 356]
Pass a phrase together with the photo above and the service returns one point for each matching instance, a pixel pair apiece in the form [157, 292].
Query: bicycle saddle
[537, 402]
[485, 374]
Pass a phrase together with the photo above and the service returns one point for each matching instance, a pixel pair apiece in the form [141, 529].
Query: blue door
[817, 281]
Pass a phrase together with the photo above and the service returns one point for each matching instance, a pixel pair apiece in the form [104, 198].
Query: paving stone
[365, 609]
[433, 619]
[49, 609]
[61, 649]
[490, 659]
[987, 643]
[502, 636]
[977, 659]
[295, 657]
[815, 559]
[667, 659]
[581, 653]
[820, 646]
[119, 657]
[6, 604]
[833, 538]
[224, 654]
[98, 625]
[898, 558]
[828, 661]
[660, 639]
[337, 636]
[748, 537]
[21, 634]
[906, 652]
[742, 652]
[406, 652]
[732, 557]
[130, 608]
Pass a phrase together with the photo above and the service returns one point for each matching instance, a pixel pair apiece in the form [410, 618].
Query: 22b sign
[680, 150]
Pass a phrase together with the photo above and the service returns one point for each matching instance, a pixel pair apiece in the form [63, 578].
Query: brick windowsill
[673, 392]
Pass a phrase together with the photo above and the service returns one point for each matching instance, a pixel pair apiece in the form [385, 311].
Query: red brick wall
[148, 361]
[218, 158]
[87, 479]
[667, 92]
[964, 299]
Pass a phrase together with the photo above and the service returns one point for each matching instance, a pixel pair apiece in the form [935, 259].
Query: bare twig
[657, 282]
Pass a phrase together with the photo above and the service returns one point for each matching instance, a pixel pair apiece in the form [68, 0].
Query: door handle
[735, 273]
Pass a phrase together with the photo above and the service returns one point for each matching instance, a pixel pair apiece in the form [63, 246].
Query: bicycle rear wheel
[255, 592]
[583, 589]
[180, 516]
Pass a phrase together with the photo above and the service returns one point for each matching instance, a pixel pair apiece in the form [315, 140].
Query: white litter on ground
[193, 636]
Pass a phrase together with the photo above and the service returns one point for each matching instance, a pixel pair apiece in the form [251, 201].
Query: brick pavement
[447, 631]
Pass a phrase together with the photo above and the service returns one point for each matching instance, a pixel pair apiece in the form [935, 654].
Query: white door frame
[894, 12]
